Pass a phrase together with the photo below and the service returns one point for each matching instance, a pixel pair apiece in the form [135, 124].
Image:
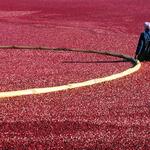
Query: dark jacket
[144, 37]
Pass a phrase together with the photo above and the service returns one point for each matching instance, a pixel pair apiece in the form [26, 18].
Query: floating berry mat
[112, 115]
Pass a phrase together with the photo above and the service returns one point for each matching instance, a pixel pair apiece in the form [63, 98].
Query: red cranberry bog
[101, 115]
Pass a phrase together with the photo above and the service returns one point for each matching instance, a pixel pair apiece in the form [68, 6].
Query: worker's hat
[147, 25]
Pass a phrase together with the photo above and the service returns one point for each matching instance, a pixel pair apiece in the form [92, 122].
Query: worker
[143, 48]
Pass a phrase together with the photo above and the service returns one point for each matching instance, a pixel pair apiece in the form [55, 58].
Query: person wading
[143, 47]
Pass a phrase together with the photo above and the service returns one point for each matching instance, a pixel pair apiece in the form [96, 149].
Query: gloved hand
[135, 57]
